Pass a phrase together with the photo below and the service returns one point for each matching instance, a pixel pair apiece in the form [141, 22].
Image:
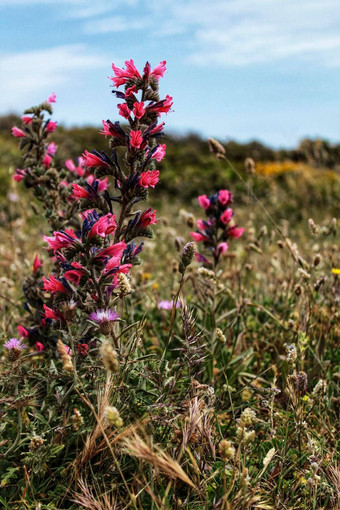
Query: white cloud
[242, 32]
[28, 75]
[114, 24]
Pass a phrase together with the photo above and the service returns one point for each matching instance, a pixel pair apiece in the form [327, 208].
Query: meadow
[199, 369]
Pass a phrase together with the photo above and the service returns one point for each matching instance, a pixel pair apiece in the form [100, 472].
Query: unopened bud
[186, 257]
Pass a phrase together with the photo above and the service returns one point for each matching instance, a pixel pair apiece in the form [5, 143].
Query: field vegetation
[205, 375]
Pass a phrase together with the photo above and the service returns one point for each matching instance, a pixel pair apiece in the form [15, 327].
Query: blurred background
[261, 76]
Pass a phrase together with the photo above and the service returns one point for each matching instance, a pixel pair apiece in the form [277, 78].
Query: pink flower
[91, 160]
[79, 191]
[104, 226]
[50, 126]
[114, 263]
[18, 133]
[158, 71]
[62, 239]
[222, 248]
[159, 153]
[14, 343]
[200, 224]
[52, 284]
[168, 305]
[162, 106]
[157, 129]
[74, 275]
[83, 349]
[115, 250]
[70, 165]
[52, 98]
[19, 174]
[36, 264]
[39, 346]
[23, 332]
[149, 178]
[138, 110]
[198, 237]
[202, 258]
[47, 161]
[102, 184]
[124, 110]
[147, 218]
[26, 119]
[136, 138]
[122, 75]
[226, 216]
[204, 201]
[51, 314]
[76, 169]
[224, 196]
[51, 149]
[130, 91]
[235, 232]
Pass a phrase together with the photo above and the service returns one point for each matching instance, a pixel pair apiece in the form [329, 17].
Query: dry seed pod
[65, 357]
[110, 360]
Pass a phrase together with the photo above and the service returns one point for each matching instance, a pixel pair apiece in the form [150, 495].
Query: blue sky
[237, 69]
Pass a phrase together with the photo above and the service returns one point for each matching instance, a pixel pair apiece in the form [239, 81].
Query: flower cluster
[93, 251]
[214, 232]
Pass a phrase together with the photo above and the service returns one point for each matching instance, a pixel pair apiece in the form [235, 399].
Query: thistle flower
[14, 348]
[110, 359]
[167, 305]
[105, 319]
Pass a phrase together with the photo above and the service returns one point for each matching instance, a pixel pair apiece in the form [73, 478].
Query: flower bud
[186, 257]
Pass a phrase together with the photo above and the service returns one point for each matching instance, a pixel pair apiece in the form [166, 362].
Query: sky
[237, 69]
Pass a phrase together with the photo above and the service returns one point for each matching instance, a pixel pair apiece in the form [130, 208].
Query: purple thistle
[167, 305]
[14, 343]
[100, 316]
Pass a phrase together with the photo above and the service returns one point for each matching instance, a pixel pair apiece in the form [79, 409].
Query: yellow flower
[146, 276]
[155, 286]
[335, 270]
